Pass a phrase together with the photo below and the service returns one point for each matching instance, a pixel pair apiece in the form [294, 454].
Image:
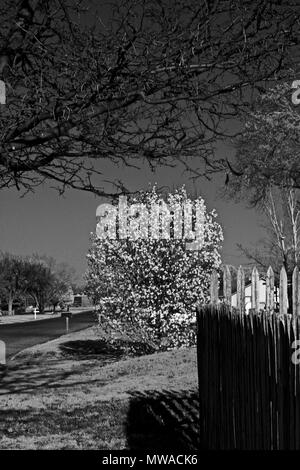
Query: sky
[60, 226]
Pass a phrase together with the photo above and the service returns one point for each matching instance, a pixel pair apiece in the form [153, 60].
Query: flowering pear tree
[156, 283]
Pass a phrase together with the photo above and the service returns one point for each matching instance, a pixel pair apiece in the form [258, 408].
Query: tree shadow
[29, 377]
[163, 421]
[22, 377]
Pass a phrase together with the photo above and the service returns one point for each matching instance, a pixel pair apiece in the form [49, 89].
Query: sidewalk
[27, 317]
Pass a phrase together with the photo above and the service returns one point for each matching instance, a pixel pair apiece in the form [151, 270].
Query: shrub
[156, 284]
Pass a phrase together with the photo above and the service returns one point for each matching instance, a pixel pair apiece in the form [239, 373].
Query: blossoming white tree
[157, 282]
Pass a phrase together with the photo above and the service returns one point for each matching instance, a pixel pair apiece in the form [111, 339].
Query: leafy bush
[155, 284]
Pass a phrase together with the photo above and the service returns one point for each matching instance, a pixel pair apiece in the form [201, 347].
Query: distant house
[82, 300]
[262, 295]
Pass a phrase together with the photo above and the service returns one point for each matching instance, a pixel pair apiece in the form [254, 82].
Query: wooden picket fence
[270, 282]
[249, 386]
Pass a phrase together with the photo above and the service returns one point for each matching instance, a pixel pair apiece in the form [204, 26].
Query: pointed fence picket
[296, 292]
[255, 289]
[255, 300]
[227, 285]
[270, 290]
[283, 297]
[241, 290]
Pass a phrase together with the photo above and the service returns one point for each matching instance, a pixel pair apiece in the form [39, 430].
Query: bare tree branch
[151, 82]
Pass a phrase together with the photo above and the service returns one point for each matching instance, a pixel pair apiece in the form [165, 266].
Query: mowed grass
[49, 400]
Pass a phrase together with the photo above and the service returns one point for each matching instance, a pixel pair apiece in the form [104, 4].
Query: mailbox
[66, 314]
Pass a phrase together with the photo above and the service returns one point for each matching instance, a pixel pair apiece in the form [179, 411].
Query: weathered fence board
[270, 289]
[283, 298]
[227, 285]
[249, 387]
[241, 289]
[255, 289]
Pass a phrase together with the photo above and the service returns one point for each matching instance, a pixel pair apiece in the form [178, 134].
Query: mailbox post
[34, 312]
[67, 315]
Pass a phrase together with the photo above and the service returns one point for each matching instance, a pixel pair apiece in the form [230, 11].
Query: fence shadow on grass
[163, 421]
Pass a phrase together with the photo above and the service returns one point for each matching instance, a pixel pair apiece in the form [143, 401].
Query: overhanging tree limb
[151, 82]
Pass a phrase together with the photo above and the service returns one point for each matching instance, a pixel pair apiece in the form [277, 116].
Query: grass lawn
[98, 398]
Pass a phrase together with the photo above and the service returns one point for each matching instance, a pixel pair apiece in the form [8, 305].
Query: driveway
[19, 336]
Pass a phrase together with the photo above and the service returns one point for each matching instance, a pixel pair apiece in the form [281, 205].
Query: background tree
[267, 175]
[157, 283]
[39, 281]
[54, 283]
[268, 152]
[60, 289]
[281, 246]
[284, 218]
[78, 288]
[40, 277]
[12, 278]
[146, 81]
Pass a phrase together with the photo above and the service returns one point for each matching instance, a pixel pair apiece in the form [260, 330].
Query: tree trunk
[41, 304]
[10, 304]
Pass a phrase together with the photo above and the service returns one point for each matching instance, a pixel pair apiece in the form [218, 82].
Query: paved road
[23, 335]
